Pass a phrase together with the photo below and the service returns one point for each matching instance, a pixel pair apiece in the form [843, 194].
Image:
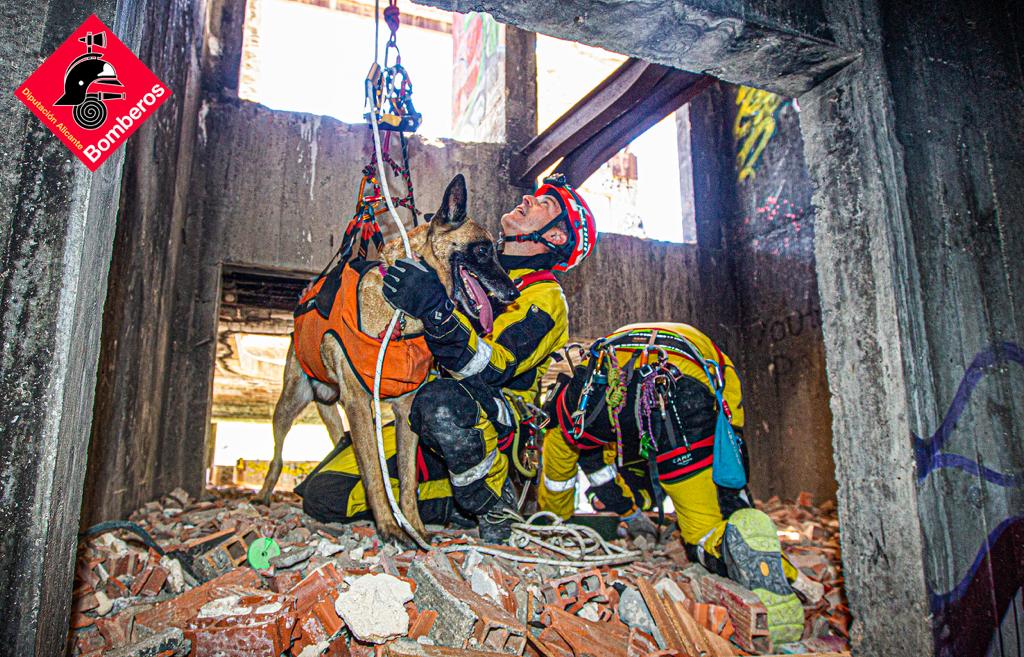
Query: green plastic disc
[261, 551]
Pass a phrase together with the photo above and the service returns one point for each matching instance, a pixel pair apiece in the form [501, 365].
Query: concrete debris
[165, 644]
[634, 613]
[373, 608]
[292, 557]
[339, 591]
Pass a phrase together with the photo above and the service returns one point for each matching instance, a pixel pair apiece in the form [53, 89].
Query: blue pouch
[727, 467]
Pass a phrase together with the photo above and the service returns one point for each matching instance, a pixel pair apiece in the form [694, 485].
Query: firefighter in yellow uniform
[666, 412]
[489, 370]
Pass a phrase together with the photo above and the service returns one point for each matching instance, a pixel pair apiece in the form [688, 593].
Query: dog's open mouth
[477, 304]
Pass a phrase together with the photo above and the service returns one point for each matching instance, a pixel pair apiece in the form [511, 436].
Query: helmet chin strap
[535, 236]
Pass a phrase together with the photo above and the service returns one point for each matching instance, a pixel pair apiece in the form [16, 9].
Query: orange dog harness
[331, 307]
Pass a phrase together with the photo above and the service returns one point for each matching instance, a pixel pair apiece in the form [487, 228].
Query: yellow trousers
[557, 492]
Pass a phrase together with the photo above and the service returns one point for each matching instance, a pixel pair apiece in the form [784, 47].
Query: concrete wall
[630, 280]
[780, 351]
[57, 223]
[766, 294]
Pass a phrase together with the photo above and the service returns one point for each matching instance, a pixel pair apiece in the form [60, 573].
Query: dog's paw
[392, 533]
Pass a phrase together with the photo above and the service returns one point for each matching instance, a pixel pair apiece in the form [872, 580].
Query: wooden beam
[616, 96]
[675, 90]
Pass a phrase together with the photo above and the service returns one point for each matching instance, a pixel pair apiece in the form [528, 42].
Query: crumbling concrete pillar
[139, 450]
[520, 88]
[56, 234]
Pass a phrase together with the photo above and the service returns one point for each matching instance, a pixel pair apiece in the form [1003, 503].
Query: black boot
[496, 523]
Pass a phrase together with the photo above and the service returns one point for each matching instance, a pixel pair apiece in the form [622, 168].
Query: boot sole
[753, 558]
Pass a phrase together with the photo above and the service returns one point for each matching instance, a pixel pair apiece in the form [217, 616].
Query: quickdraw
[533, 420]
[651, 396]
[595, 375]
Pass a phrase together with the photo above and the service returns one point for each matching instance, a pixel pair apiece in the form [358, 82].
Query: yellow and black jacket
[516, 354]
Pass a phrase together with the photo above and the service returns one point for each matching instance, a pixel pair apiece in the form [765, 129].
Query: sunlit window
[638, 192]
[306, 58]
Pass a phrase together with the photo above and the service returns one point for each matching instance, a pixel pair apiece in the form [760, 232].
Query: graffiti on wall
[478, 78]
[754, 127]
[971, 618]
[770, 335]
[790, 326]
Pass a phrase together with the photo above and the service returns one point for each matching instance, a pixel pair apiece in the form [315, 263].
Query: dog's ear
[452, 212]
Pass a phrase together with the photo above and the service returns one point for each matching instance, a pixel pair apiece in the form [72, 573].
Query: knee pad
[445, 417]
[440, 403]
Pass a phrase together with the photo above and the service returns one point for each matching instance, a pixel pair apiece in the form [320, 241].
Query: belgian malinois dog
[463, 254]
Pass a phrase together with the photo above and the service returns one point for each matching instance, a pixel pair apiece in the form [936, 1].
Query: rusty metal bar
[675, 90]
[617, 95]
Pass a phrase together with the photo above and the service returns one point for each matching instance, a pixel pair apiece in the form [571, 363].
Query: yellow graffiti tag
[754, 127]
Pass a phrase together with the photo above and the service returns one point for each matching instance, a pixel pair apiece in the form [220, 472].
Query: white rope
[579, 546]
[377, 422]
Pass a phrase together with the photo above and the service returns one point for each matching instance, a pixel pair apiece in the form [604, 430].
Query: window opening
[639, 191]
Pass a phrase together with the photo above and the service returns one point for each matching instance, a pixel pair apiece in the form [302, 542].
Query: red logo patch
[93, 92]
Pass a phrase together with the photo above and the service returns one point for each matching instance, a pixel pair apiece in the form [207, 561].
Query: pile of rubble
[212, 583]
[810, 537]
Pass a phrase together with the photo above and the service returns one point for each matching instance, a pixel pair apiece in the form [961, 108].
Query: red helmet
[579, 220]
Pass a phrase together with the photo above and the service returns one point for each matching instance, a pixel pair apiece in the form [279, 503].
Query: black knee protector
[325, 497]
[440, 403]
[444, 416]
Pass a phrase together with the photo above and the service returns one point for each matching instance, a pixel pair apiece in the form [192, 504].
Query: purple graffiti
[928, 454]
[960, 462]
[942, 600]
[965, 619]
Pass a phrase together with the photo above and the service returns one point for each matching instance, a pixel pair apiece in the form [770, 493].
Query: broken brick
[256, 623]
[89, 640]
[283, 581]
[79, 620]
[116, 630]
[421, 626]
[746, 612]
[177, 611]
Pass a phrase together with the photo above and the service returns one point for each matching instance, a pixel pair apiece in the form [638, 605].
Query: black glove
[638, 524]
[413, 287]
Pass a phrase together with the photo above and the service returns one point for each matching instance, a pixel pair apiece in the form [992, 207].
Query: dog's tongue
[477, 292]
